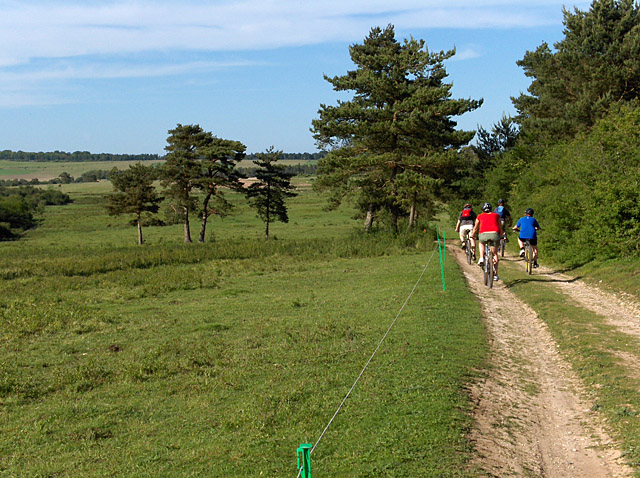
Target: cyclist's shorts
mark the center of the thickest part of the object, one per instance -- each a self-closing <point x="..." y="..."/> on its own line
<point x="493" y="238"/>
<point x="464" y="229"/>
<point x="533" y="242"/>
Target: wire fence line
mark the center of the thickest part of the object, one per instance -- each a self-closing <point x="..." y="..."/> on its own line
<point x="371" y="357"/>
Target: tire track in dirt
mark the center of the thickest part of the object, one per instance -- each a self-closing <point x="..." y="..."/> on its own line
<point x="619" y="310"/>
<point x="529" y="418"/>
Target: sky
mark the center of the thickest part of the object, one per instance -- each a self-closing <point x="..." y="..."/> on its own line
<point x="115" y="76"/>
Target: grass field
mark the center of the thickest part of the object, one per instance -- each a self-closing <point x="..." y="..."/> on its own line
<point x="220" y="359"/>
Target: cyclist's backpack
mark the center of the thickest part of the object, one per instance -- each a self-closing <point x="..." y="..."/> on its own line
<point x="466" y="213"/>
<point x="500" y="211"/>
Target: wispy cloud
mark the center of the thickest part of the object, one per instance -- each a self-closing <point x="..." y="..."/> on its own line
<point x="59" y="29"/>
<point x="51" y="40"/>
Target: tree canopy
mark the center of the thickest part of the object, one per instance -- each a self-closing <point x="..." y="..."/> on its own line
<point x="594" y="68"/>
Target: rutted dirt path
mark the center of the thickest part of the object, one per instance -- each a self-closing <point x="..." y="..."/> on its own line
<point x="530" y="419"/>
<point x="620" y="310"/>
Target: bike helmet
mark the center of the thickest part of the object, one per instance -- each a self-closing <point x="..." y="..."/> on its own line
<point x="500" y="202"/>
<point x="529" y="211"/>
<point x="467" y="206"/>
<point x="486" y="207"/>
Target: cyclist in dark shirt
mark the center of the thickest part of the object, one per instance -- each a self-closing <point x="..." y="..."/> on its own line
<point x="466" y="221"/>
<point x="505" y="216"/>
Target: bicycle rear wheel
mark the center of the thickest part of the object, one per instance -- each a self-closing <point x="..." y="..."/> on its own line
<point x="468" y="250"/>
<point x="485" y="271"/>
<point x="489" y="266"/>
<point x="503" y="243"/>
<point x="528" y="258"/>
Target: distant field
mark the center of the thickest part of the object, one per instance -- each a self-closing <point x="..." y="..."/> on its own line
<point x="49" y="170"/>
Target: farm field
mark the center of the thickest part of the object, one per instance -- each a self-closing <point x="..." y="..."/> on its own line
<point x="45" y="171"/>
<point x="220" y="359"/>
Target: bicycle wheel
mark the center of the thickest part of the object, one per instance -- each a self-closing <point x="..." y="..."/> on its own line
<point x="490" y="271"/>
<point x="467" y="249"/>
<point x="503" y="243"/>
<point x="528" y="258"/>
<point x="485" y="270"/>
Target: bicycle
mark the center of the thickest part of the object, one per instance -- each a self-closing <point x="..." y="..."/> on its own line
<point x="502" y="245"/>
<point x="467" y="247"/>
<point x="487" y="269"/>
<point x="528" y="256"/>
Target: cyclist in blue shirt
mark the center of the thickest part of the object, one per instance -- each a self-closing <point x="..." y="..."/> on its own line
<point x="528" y="226"/>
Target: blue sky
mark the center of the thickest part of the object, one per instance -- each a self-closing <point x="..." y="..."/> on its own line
<point x="114" y="76"/>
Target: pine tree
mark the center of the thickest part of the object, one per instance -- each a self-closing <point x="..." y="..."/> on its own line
<point x="398" y="122"/>
<point x="181" y="168"/>
<point x="218" y="159"/>
<point x="273" y="186"/>
<point x="133" y="193"/>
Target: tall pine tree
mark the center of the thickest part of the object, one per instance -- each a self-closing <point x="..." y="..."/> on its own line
<point x="399" y="122"/>
<point x="273" y="186"/>
<point x="181" y="168"/>
<point x="133" y="193"/>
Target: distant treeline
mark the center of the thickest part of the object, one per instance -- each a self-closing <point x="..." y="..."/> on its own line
<point x="76" y="156"/>
<point x="291" y="156"/>
<point x="294" y="169"/>
<point x="81" y="156"/>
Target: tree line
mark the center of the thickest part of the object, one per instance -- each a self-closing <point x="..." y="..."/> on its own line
<point x="294" y="156"/>
<point x="82" y="156"/>
<point x="76" y="156"/>
<point x="198" y="170"/>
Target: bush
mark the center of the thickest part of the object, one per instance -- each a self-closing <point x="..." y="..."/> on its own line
<point x="586" y="192"/>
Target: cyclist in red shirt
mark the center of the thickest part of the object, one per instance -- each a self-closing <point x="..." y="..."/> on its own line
<point x="489" y="229"/>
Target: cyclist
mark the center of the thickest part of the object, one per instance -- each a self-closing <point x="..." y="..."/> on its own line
<point x="465" y="224"/>
<point x="528" y="226"/>
<point x="489" y="231"/>
<point x="505" y="217"/>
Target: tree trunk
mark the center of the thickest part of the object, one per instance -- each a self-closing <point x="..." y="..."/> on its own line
<point x="394" y="207"/>
<point x="205" y="216"/>
<point x="139" y="230"/>
<point x="368" y="221"/>
<point x="187" y="228"/>
<point x="413" y="213"/>
<point x="268" y="215"/>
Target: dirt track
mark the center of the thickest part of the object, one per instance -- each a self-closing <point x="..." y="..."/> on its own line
<point x="529" y="415"/>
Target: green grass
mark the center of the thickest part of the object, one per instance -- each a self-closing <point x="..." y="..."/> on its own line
<point x="220" y="359"/>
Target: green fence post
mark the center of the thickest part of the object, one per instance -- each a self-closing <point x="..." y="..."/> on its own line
<point x="441" y="264"/>
<point x="444" y="244"/>
<point x="304" y="452"/>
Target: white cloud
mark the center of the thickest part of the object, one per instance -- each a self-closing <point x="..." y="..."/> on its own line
<point x="47" y="41"/>
<point x="61" y="29"/>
